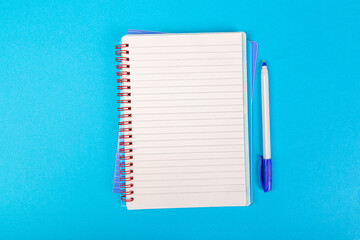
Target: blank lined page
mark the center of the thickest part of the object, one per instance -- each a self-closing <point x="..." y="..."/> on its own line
<point x="189" y="120"/>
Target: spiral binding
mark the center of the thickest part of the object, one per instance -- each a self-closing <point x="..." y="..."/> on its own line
<point x="124" y="123"/>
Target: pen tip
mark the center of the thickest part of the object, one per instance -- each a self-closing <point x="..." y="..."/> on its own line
<point x="264" y="63"/>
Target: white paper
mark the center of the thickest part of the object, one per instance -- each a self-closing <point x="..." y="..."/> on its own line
<point x="189" y="120"/>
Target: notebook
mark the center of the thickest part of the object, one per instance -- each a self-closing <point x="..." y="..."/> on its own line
<point x="183" y="130"/>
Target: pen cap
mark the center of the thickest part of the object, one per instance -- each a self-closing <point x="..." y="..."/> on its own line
<point x="266" y="173"/>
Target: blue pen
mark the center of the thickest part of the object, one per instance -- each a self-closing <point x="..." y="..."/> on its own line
<point x="266" y="165"/>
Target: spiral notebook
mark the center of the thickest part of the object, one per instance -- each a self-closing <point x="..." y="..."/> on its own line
<point x="183" y="130"/>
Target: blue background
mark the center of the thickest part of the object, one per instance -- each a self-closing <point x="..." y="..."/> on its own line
<point x="58" y="119"/>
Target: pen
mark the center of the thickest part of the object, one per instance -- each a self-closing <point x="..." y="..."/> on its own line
<point x="265" y="160"/>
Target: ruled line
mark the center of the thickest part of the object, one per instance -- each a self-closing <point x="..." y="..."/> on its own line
<point x="193" y="65"/>
<point x="197" y="185"/>
<point x="187" y="192"/>
<point x="162" y="120"/>
<point x="153" y="113"/>
<point x="182" y="59"/>
<point x="185" y="79"/>
<point x="177" y="179"/>
<point x="202" y="45"/>
<point x="178" y="99"/>
<point x="175" y="146"/>
<point x="226" y="105"/>
<point x="180" y="139"/>
<point x="190" y="132"/>
<point x="213" y="165"/>
<point x="208" y="125"/>
<point x="183" y="152"/>
<point x="175" y="120"/>
<point x="185" y="52"/>
<point x="186" y="159"/>
<point x="239" y="91"/>
<point x="152" y="173"/>
<point x="169" y="86"/>
<point x="184" y="72"/>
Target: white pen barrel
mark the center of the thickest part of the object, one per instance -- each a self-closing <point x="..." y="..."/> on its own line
<point x="265" y="112"/>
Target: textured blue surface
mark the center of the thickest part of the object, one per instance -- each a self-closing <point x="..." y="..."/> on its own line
<point x="58" y="123"/>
